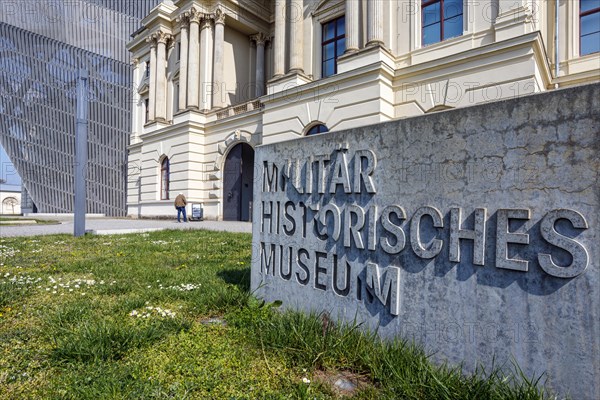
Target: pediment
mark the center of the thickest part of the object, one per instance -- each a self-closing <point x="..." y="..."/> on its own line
<point x="327" y="6"/>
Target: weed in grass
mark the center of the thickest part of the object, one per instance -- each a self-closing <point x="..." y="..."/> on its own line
<point x="107" y="339"/>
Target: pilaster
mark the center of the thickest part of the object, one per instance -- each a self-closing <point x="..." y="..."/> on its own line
<point x="162" y="38"/>
<point x="135" y="98"/>
<point x="296" y="18"/>
<point x="279" y="41"/>
<point x="219" y="61"/>
<point x="374" y="22"/>
<point x="194" y="59"/>
<point x="352" y="26"/>
<point x="206" y="62"/>
<point x="152" y="79"/>
<point x="184" y="22"/>
<point x="260" y="39"/>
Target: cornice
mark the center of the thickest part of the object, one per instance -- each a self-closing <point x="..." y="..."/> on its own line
<point x="161" y="14"/>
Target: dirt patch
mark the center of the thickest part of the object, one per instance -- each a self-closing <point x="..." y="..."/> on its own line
<point x="342" y="383"/>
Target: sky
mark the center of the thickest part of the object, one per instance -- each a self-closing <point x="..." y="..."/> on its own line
<point x="8" y="172"/>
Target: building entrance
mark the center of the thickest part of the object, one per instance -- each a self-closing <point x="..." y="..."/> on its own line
<point x="238" y="180"/>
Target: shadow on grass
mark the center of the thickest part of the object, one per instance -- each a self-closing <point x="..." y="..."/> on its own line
<point x="237" y="277"/>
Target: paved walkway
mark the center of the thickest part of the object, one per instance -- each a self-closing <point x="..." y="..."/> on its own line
<point x="119" y="225"/>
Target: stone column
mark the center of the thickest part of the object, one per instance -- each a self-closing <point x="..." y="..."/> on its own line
<point x="206" y="62"/>
<point x="152" y="83"/>
<point x="374" y="22"/>
<point x="352" y="25"/>
<point x="135" y="97"/>
<point x="194" y="59"/>
<point x="260" y="39"/>
<point x="279" y="44"/>
<point x="161" y="75"/>
<point x="183" y="62"/>
<point x="219" y="62"/>
<point x="296" y="17"/>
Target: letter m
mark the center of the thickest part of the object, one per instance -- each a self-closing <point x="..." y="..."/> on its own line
<point x="267" y="262"/>
<point x="389" y="291"/>
<point x="269" y="177"/>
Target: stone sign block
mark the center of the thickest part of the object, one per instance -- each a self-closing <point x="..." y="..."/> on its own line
<point x="475" y="232"/>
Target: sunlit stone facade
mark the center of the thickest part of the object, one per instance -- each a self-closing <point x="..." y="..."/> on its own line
<point x="216" y="78"/>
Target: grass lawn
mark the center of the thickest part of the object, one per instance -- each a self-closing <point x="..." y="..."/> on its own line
<point x="168" y="315"/>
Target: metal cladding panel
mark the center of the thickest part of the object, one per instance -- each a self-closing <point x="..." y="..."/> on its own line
<point x="100" y="26"/>
<point x="38" y="78"/>
<point x="42" y="46"/>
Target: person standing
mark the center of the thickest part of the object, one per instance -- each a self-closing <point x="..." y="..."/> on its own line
<point x="180" y="203"/>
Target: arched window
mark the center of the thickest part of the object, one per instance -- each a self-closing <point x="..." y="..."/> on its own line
<point x="164" y="179"/>
<point x="320" y="128"/>
<point x="9" y="204"/>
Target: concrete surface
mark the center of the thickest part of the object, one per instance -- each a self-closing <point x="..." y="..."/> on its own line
<point x="119" y="225"/>
<point x="473" y="231"/>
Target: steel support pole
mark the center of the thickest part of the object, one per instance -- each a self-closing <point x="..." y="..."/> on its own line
<point x="81" y="153"/>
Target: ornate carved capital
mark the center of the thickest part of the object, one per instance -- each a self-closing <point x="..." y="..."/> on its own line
<point x="162" y="37"/>
<point x="151" y="39"/>
<point x="260" y="38"/>
<point x="183" y="20"/>
<point x="195" y="15"/>
<point x="206" y="21"/>
<point x="134" y="62"/>
<point x="219" y="16"/>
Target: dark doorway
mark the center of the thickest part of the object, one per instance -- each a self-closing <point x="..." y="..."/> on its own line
<point x="238" y="180"/>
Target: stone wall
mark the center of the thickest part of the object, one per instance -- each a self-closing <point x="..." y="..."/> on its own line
<point x="473" y="231"/>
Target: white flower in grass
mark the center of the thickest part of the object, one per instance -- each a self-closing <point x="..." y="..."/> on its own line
<point x="306" y="380"/>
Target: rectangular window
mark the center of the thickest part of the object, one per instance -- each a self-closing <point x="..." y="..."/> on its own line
<point x="178" y="51"/>
<point x="589" y="26"/>
<point x="333" y="45"/>
<point x="147" y="69"/>
<point x="147" y="110"/>
<point x="441" y="20"/>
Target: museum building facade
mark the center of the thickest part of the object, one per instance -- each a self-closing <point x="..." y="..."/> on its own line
<point x="214" y="79"/>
